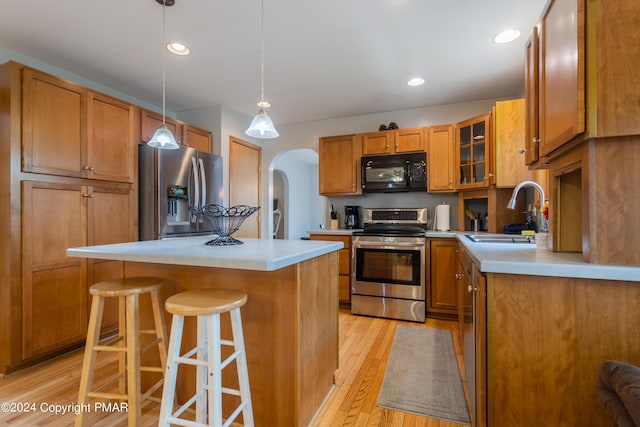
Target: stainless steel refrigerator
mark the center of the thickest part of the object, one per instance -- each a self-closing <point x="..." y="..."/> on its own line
<point x="170" y="181"/>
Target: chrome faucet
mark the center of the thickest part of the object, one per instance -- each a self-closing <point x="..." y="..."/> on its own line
<point x="512" y="203"/>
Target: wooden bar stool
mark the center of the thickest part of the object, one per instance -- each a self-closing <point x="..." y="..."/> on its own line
<point x="206" y="305"/>
<point x="127" y="344"/>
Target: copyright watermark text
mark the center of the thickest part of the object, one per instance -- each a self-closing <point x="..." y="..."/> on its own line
<point x="63" y="408"/>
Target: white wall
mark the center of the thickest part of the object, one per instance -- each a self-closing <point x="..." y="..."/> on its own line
<point x="303" y="208"/>
<point x="11" y="55"/>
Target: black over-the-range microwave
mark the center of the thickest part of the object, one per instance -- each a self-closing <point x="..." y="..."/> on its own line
<point x="394" y="172"/>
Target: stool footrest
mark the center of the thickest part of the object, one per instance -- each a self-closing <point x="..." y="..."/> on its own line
<point x="147" y="394"/>
<point x="229" y="359"/>
<point x="150" y="345"/>
<point x="235" y="413"/>
<point x="232" y="391"/>
<point x="151" y="369"/>
<point x="190" y="361"/>
<point x="112" y="348"/>
<point x="112" y="381"/>
<point x="99" y="395"/>
<point x="181" y="409"/>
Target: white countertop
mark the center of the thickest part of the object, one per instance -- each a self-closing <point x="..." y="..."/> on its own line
<point x="522" y="258"/>
<point x="253" y="254"/>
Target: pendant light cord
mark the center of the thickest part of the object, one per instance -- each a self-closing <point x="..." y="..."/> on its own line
<point x="164" y="24"/>
<point x="262" y="53"/>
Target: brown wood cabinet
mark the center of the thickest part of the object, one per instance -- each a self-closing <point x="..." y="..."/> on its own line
<point x="339" y="165"/>
<point x="72" y="131"/>
<point x="67" y="179"/>
<point x="197" y="138"/>
<point x="442" y="290"/>
<point x="473" y="152"/>
<point x="54" y="295"/>
<point x="509" y="167"/>
<point x="382" y="142"/>
<point x="472" y="319"/>
<point x="185" y="134"/>
<point x="562" y="82"/>
<point x="546" y="338"/>
<point x="441" y="159"/>
<point x="57" y="216"/>
<point x="344" y="269"/>
<point x="393" y="141"/>
<point x="532" y="97"/>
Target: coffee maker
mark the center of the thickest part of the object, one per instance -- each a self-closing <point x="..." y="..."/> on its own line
<point x="351" y="217"/>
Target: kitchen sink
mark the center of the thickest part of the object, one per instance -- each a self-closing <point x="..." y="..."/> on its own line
<point x="499" y="238"/>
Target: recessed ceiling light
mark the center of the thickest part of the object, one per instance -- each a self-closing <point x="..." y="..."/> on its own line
<point x="506" y="36"/>
<point x="416" y="81"/>
<point x="178" y="48"/>
<point x="263" y="104"/>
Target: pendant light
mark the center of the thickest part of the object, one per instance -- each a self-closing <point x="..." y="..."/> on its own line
<point x="261" y="125"/>
<point x="163" y="138"/>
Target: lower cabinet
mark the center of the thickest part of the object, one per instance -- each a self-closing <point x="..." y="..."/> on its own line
<point x="442" y="290"/>
<point x="344" y="259"/>
<point x="56" y="216"/>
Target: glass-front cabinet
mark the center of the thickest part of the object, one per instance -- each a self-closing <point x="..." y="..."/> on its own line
<point x="473" y="152"/>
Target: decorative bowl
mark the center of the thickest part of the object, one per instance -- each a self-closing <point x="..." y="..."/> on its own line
<point x="224" y="221"/>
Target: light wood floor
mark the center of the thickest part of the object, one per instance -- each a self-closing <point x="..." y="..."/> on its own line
<point x="365" y="343"/>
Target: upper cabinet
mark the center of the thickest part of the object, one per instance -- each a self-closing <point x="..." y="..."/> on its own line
<point x="53" y="125"/>
<point x="473" y="152"/>
<point x="562" y="79"/>
<point x="197" y="138"/>
<point x="441" y="158"/>
<point x="111" y="138"/>
<point x="393" y="141"/>
<point x="532" y="99"/>
<point x="71" y="131"/>
<point x="586" y="88"/>
<point x="339" y="165"/>
<point x="185" y="134"/>
<point x="408" y="140"/>
<point x="508" y="166"/>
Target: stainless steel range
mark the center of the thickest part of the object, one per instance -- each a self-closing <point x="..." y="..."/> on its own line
<point x="388" y="264"/>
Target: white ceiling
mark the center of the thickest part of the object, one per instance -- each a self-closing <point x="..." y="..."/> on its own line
<point x="323" y="59"/>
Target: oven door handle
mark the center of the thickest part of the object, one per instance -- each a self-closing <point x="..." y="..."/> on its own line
<point x="387" y="245"/>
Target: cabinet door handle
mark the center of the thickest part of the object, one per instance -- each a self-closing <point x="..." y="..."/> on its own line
<point x="471" y="289"/>
<point x="88" y="168"/>
<point x="535" y="141"/>
<point x="522" y="151"/>
<point x="89" y="195"/>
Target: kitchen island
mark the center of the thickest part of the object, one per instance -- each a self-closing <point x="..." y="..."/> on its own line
<point x="290" y="320"/>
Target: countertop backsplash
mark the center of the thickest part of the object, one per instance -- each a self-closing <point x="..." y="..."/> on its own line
<point x="411" y="199"/>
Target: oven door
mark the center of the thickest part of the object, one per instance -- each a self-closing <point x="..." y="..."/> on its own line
<point x="391" y="267"/>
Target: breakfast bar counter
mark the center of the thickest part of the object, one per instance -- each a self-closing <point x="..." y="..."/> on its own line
<point x="290" y="320"/>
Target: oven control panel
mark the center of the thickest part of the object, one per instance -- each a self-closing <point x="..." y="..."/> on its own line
<point x="396" y="216"/>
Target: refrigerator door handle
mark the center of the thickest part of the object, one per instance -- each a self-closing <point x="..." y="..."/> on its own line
<point x="203" y="179"/>
<point x="196" y="187"/>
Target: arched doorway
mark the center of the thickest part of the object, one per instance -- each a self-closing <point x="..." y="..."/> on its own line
<point x="296" y="172"/>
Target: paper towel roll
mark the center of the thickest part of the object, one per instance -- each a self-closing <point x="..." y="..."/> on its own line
<point x="441" y="220"/>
